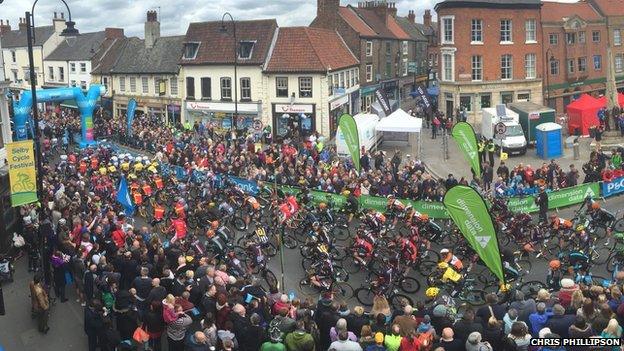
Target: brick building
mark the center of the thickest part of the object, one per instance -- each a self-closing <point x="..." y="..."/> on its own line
<point x="613" y="11"/>
<point x="430" y="31"/>
<point x="574" y="52"/>
<point x="373" y="34"/>
<point x="489" y="54"/>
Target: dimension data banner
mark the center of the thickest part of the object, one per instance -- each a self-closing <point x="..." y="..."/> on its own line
<point x="349" y="130"/>
<point x="22" y="173"/>
<point x="556" y="199"/>
<point x="470" y="213"/>
<point x="466" y="139"/>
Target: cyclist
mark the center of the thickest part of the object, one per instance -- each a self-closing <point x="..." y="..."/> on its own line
<point x="394" y="209"/>
<point x="448" y="275"/>
<point x="251" y="208"/>
<point x="508" y="260"/>
<point x="178" y="227"/>
<point x="554" y="276"/>
<point x="561" y="226"/>
<point x="362" y="249"/>
<point x="159" y="213"/>
<point x="447" y="256"/>
<point x="320" y="271"/>
<point x="409" y="250"/>
<point x="254" y="249"/>
<point x="601" y="218"/>
<point x="351" y="206"/>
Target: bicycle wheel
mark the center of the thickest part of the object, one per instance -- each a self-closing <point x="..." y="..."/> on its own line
<point x="306" y="252"/>
<point x="342" y="290"/>
<point x="530" y="289"/>
<point x="600" y="255"/>
<point x="306" y="263"/>
<point x="307" y="288"/>
<point x="474" y="297"/>
<point x="239" y="223"/>
<point x="270" y="278"/>
<point x="341" y="274"/>
<point x="341" y="233"/>
<point x="612" y="263"/>
<point x="409" y="285"/>
<point x="351" y="265"/>
<point x="364" y="296"/>
<point x="398" y="301"/>
<point x="290" y="242"/>
<point x="338" y="253"/>
<point x="426" y="267"/>
<point x="270" y="249"/>
<point x="524" y="266"/>
<point x="240" y="253"/>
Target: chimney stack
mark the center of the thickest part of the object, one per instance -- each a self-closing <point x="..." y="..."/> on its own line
<point x="113" y="33"/>
<point x="152" y="29"/>
<point x="411" y="16"/>
<point x="58" y="22"/>
<point x="4" y="28"/>
<point x="427" y="18"/>
<point x="327" y="13"/>
<point x="22" y="25"/>
<point x="62" y="15"/>
<point x="392" y="10"/>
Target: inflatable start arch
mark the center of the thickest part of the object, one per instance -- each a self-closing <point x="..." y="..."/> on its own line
<point x="85" y="103"/>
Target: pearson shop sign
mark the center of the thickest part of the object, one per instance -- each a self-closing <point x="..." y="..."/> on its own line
<point x="613" y="188"/>
<point x="556" y="199"/>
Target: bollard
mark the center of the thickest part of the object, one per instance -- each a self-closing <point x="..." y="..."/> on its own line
<point x="575" y="147"/>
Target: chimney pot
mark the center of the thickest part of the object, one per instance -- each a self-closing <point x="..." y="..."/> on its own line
<point x="54" y="14"/>
<point x="62" y="15"/>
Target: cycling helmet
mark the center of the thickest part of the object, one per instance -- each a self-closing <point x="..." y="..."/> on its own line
<point x="322" y="206"/>
<point x="504" y="287"/>
<point x="214" y="224"/>
<point x="432" y="292"/>
<point x="390" y="196"/>
<point x="595" y="205"/>
<point x="316" y="224"/>
<point x="554" y="264"/>
<point x="443" y="265"/>
<point x="444" y="251"/>
<point x="346" y="193"/>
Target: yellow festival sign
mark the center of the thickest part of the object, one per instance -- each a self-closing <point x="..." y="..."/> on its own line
<point x="22" y="173"/>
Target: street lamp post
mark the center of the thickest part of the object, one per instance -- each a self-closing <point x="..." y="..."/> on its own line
<point x="68" y="32"/>
<point x="551" y="59"/>
<point x="223" y="29"/>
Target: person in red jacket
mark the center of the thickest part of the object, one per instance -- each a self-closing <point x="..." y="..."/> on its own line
<point x="119" y="237"/>
<point x="178" y="226"/>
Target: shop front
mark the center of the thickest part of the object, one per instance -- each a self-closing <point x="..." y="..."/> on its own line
<point x="220" y="114"/>
<point x="367" y="96"/>
<point x="173" y="114"/>
<point x="296" y="117"/>
<point x="391" y="88"/>
<point x="337" y="108"/>
<point x="355" y="102"/>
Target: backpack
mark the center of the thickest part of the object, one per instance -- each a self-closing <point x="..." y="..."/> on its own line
<point x="274" y="331"/>
<point x="426" y="341"/>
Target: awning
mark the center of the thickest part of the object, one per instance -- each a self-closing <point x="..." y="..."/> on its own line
<point x="69" y="103"/>
<point x="399" y="121"/>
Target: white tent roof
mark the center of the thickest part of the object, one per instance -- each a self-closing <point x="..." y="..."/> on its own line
<point x="399" y="121"/>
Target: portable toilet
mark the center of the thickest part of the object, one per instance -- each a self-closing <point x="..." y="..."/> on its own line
<point x="548" y="140"/>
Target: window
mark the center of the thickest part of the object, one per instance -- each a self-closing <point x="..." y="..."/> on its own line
<point x="281" y="85"/>
<point x="506" y="67"/>
<point x="507" y="97"/>
<point x="476" y="32"/>
<point x="466" y="101"/>
<point x="582" y="64"/>
<point x="122" y="83"/>
<point x="83" y="67"/>
<point x="447" y="30"/>
<point x="51" y="73"/>
<point x="348" y="78"/>
<point x="190" y="50"/>
<point x="619" y="63"/>
<point x="505" y="31"/>
<point x="72" y="67"/>
<point x="14" y="75"/>
<point x="405" y="47"/>
<point x="570" y="38"/>
<point x="226" y="88"/>
<point x="597" y="62"/>
<point x="305" y="87"/>
<point x="369" y="48"/>
<point x="157" y="81"/>
<point x="530" y="30"/>
<point x="245" y="84"/>
<point x="524" y="96"/>
<point x="369" y="73"/>
<point x="145" y="85"/>
<point x="83" y="85"/>
<point x="477" y="68"/>
<point x="353" y="78"/>
<point x="486" y="100"/>
<point x="388" y="68"/>
<point x="173" y="83"/>
<point x="581" y="37"/>
<point x="245" y="49"/>
<point x="596" y="36"/>
<point x="206" y="88"/>
<point x="570" y="65"/>
<point x="405" y="66"/>
<point x="61" y="74"/>
<point x="132" y="84"/>
<point x="447" y="62"/>
<point x="105" y="82"/>
<point x="553" y="38"/>
<point x="529" y="65"/>
<point x="13" y="56"/>
<point x="190" y="88"/>
<point x="617" y="37"/>
<point x="73" y="84"/>
<point x="554" y="67"/>
<point x="341" y="80"/>
<point x="330" y="84"/>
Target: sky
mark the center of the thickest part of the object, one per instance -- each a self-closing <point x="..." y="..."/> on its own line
<point x="175" y="15"/>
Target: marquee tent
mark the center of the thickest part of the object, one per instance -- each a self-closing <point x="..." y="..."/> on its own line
<point x="400" y="121"/>
<point x="603" y="100"/>
<point x="583" y="113"/>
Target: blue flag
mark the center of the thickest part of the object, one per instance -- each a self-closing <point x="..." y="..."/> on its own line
<point x="123" y="197"/>
<point x="130" y="110"/>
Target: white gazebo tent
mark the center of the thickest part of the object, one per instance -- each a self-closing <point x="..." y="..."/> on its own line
<point x="400" y="121"/>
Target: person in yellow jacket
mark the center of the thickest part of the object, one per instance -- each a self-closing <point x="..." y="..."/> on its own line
<point x="481" y="149"/>
<point x="451" y="276"/>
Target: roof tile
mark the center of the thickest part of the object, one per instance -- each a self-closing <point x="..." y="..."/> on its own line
<point x="17" y="38"/>
<point x="558" y="11"/>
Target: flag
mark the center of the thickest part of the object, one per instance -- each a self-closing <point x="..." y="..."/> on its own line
<point x="349" y="130"/>
<point x="466" y="139"/>
<point x="130" y="110"/>
<point x="469" y="212"/>
<point x="123" y="197"/>
<point x="383" y="101"/>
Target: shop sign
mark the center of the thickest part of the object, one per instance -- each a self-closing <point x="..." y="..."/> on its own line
<point x="369" y="89"/>
<point x="338" y="102"/>
<point x="411" y="67"/>
<point x="221" y="106"/>
<point x="284" y="108"/>
<point x="339" y="91"/>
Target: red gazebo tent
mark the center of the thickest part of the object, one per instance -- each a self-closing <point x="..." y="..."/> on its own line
<point x="583" y="113"/>
<point x="603" y="100"/>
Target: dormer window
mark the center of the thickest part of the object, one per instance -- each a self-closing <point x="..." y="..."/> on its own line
<point x="245" y="49"/>
<point x="190" y="50"/>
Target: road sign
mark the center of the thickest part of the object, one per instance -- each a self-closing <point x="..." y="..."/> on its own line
<point x="411" y="67"/>
<point x="500" y="128"/>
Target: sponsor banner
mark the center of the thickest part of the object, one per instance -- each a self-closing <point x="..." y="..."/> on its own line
<point x="464" y="135"/>
<point x="470" y="213"/>
<point x="616" y="186"/>
<point x="130" y="111"/>
<point x="556" y="199"/>
<point x="22" y="173"/>
<point x="383" y="101"/>
<point x="349" y="130"/>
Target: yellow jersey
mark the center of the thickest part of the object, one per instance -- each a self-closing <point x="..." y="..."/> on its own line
<point x="452" y="275"/>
